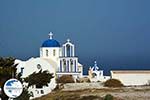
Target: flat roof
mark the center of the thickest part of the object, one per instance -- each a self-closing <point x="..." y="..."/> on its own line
<point x="130" y="71"/>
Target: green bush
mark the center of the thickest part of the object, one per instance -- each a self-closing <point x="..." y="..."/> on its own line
<point x="113" y="83"/>
<point x="66" y="79"/>
<point x="108" y="97"/>
<point x="91" y="97"/>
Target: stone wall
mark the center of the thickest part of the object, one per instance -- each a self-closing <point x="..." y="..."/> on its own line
<point x="80" y="86"/>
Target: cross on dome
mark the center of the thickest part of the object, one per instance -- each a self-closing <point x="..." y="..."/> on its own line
<point x="50" y="35"/>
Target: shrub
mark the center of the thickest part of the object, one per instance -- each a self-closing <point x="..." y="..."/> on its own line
<point x="113" y="83"/>
<point x="66" y="79"/>
<point x="108" y="97"/>
<point x="91" y="97"/>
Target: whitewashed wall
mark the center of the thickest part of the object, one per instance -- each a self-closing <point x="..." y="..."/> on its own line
<point x="30" y="66"/>
<point x="132" y="77"/>
<point x="50" y="52"/>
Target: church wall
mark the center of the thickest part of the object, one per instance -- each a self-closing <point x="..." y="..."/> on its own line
<point x="132" y="77"/>
<point x="31" y="66"/>
<point x="35" y="65"/>
<point x="52" y="53"/>
<point x="80" y="68"/>
<point x="38" y="92"/>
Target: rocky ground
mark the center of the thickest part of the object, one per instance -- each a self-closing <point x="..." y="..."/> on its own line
<point x="93" y="93"/>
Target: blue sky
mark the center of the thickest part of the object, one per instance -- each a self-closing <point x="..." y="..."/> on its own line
<point x="113" y="32"/>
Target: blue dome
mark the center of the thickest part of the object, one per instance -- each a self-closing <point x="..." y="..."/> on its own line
<point x="50" y="43"/>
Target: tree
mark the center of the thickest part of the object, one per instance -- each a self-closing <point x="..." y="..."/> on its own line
<point x="113" y="83"/>
<point x="25" y="94"/>
<point x="42" y="78"/>
<point x="7" y="71"/>
<point x="7" y="68"/>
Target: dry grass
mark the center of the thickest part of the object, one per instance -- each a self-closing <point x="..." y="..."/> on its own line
<point x="63" y="95"/>
<point x="86" y="94"/>
<point x="124" y="93"/>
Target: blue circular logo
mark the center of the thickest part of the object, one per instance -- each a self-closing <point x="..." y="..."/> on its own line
<point x="13" y="88"/>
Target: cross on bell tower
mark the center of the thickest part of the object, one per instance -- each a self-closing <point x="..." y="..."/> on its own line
<point x="50" y="35"/>
<point x="95" y="67"/>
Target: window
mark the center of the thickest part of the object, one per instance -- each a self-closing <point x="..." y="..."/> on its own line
<point x="42" y="92"/>
<point x="32" y="86"/>
<point x="38" y="66"/>
<point x="68" y="50"/>
<point x="22" y="70"/>
<point x="37" y="91"/>
<point x="94" y="75"/>
<point x="31" y="93"/>
<point x="54" y="52"/>
<point x="47" y="53"/>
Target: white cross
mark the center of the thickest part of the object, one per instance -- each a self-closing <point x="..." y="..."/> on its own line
<point x="95" y="62"/>
<point x="50" y="35"/>
<point x="95" y="65"/>
<point x="68" y="40"/>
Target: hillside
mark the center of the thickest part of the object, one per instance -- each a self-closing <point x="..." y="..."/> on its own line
<point x="125" y="93"/>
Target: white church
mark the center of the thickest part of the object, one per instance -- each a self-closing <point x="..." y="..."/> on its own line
<point x="61" y="60"/>
<point x="57" y="59"/>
